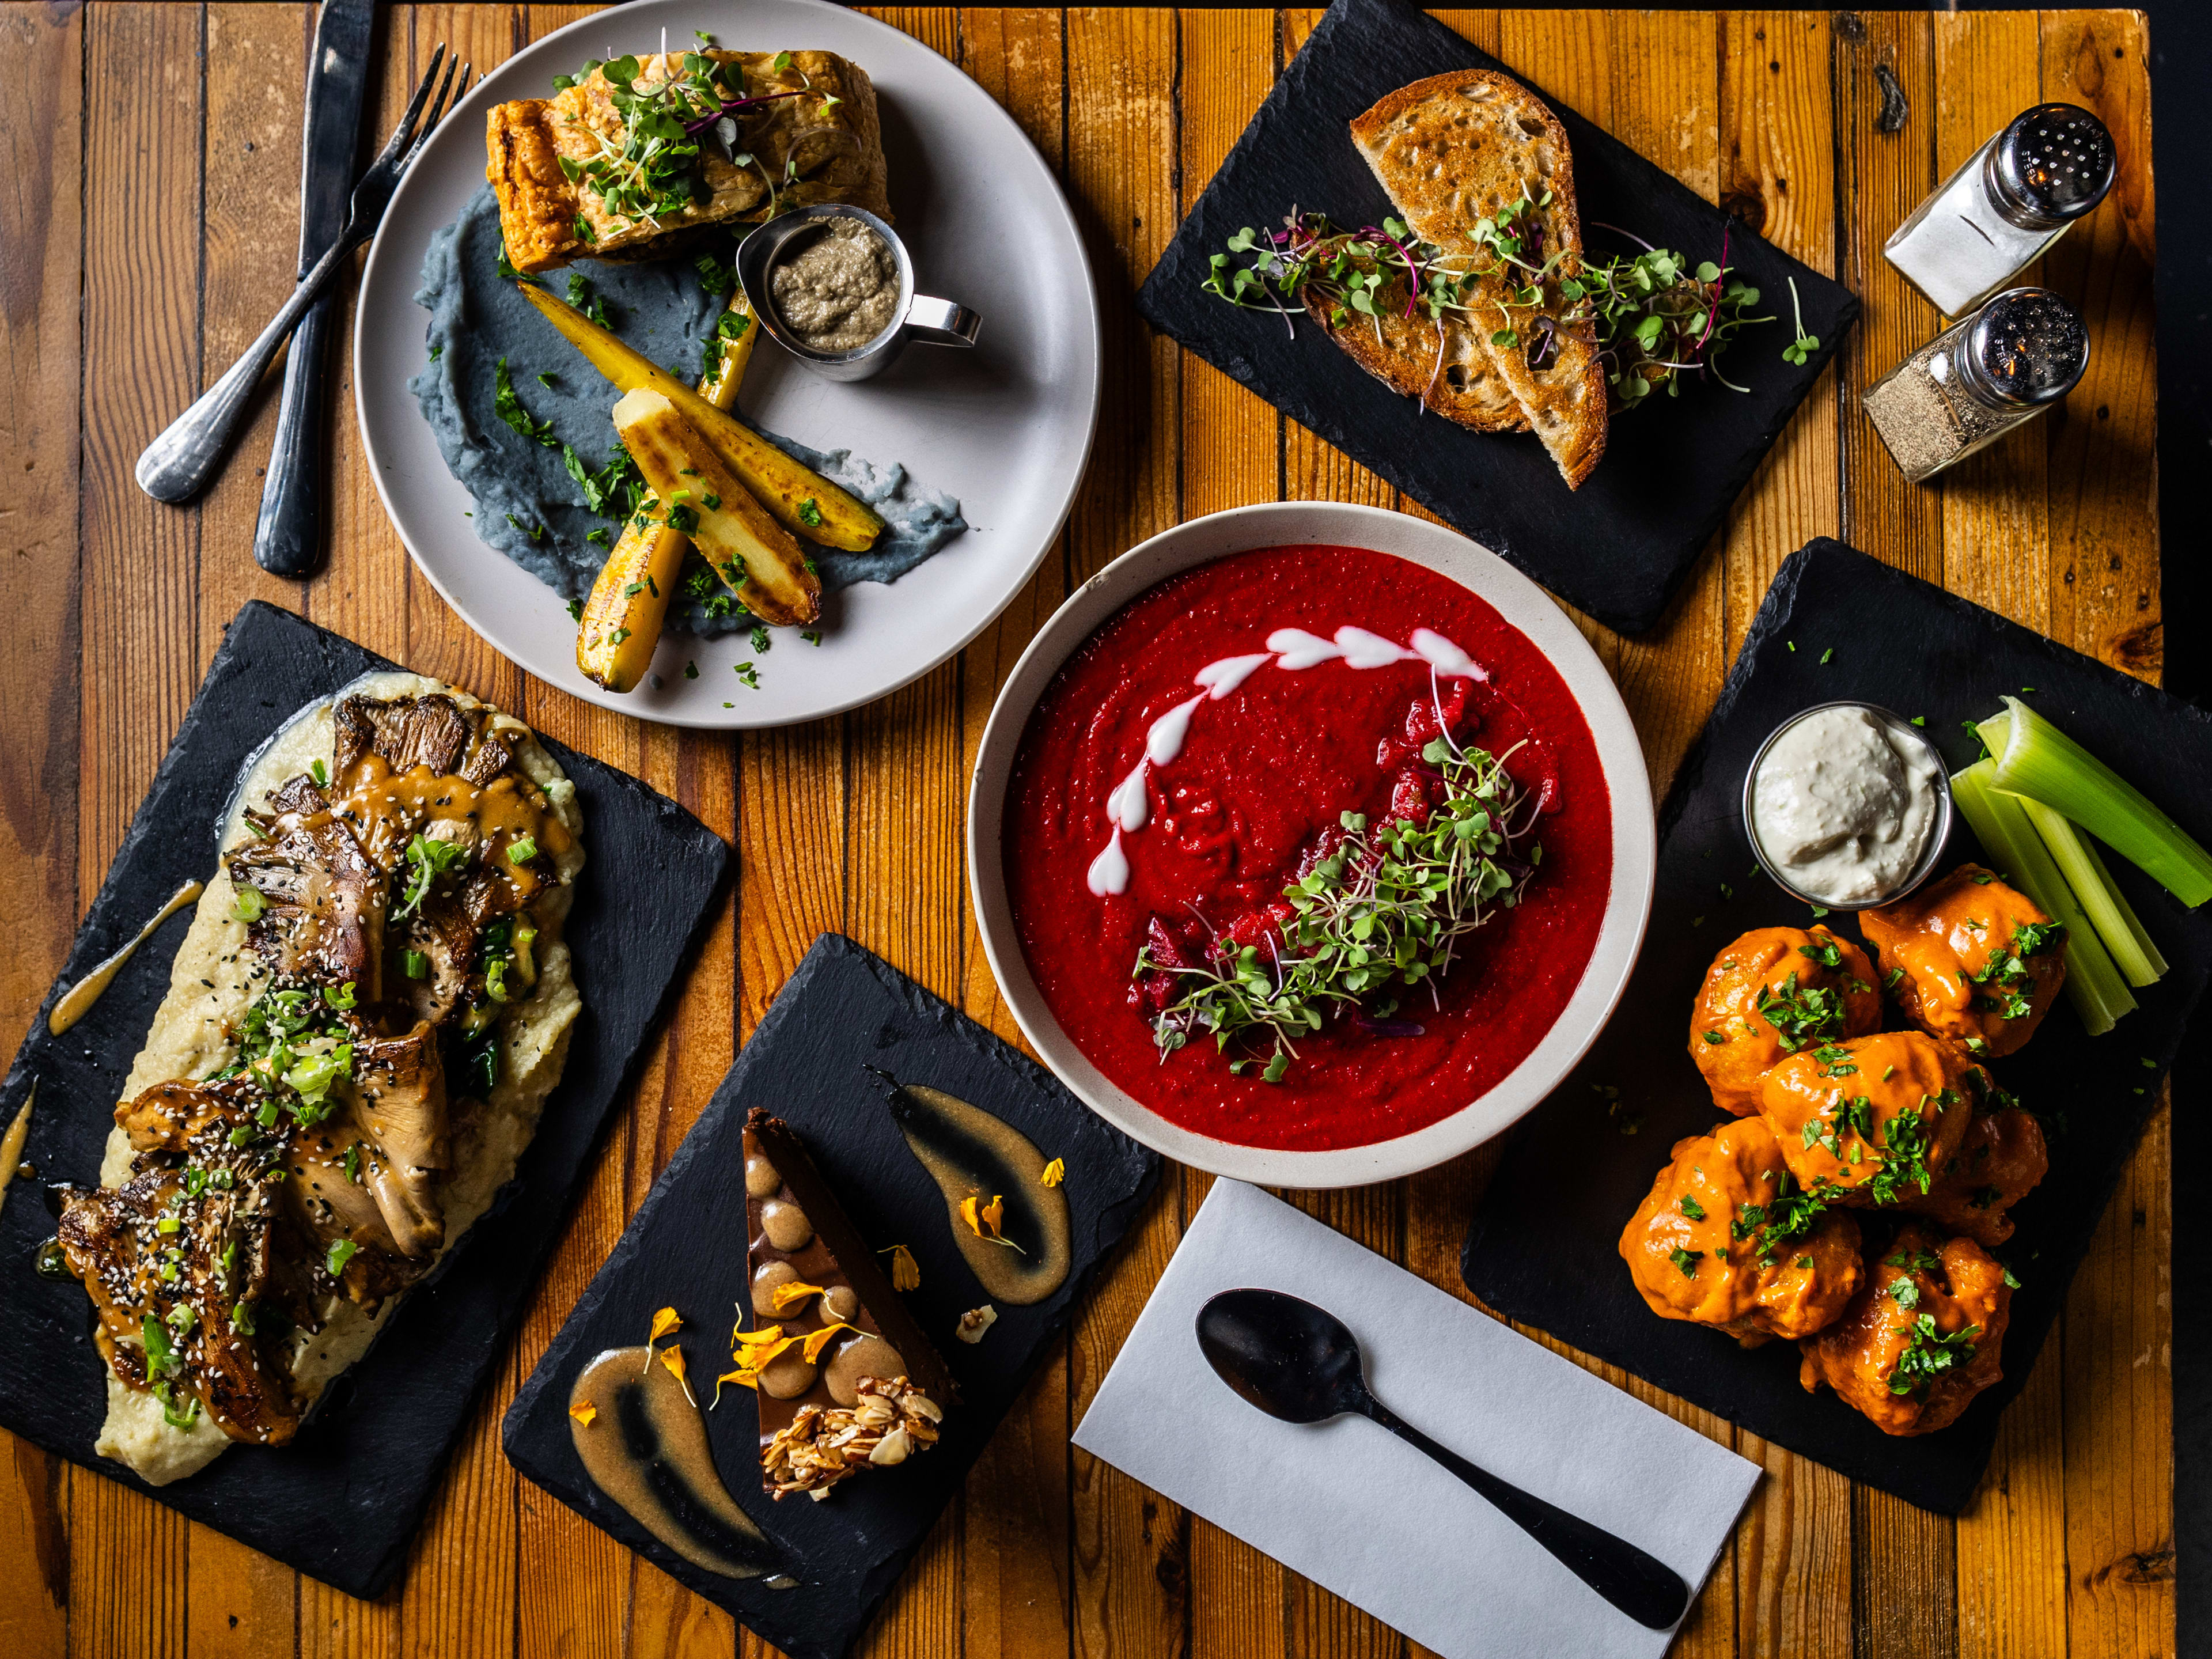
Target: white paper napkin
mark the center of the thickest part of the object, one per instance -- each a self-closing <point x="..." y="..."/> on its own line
<point x="1356" y="1510"/>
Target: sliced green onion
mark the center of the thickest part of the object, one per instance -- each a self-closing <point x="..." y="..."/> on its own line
<point x="2132" y="953"/>
<point x="249" y="904"/>
<point x="2093" y="985"/>
<point x="2039" y="761"/>
<point x="521" y="850"/>
<point x="341" y="1252"/>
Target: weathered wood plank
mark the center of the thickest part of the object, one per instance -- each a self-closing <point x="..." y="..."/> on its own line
<point x="1995" y="528"/>
<point x="1015" y="1589"/>
<point x="2103" y="439"/>
<point x="237" y="1600"/>
<point x="142" y="112"/>
<point x="1777" y="172"/>
<point x="1881" y="178"/>
<point x="1232" y="454"/>
<point x="1130" y="1547"/>
<point x="459" y="1595"/>
<point x="41" y="226"/>
<point x="2118" y="1385"/>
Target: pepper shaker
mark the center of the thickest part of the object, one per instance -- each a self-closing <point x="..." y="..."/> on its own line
<point x="2001" y="212"/>
<point x="1978" y="380"/>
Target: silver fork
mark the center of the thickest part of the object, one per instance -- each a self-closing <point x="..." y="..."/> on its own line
<point x="178" y="464"/>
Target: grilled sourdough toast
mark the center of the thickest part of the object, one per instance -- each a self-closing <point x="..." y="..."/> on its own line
<point x="1459" y="147"/>
<point x="1403" y="353"/>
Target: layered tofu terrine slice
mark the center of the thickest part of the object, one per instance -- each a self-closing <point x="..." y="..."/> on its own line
<point x="634" y="158"/>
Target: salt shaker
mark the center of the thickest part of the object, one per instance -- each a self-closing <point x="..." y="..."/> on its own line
<point x="1998" y="214"/>
<point x="1978" y="380"/>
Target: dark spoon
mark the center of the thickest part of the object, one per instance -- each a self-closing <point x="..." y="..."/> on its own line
<point x="1301" y="1363"/>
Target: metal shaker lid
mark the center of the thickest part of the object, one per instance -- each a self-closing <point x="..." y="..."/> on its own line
<point x="2050" y="165"/>
<point x="2026" y="346"/>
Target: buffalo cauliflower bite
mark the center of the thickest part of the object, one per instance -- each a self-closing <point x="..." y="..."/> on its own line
<point x="1969" y="959"/>
<point x="1770" y="994"/>
<point x="1921" y="1337"/>
<point x="1727" y="1238"/>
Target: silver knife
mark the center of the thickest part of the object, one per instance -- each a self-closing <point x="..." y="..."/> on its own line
<point x="288" y="539"/>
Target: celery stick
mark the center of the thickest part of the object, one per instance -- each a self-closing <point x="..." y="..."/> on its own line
<point x="2039" y="761"/>
<point x="2127" y="911"/>
<point x="2094" y="892"/>
<point x="2093" y="985"/>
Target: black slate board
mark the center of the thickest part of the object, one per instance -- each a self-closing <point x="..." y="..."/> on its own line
<point x="342" y="1501"/>
<point x="1618" y="546"/>
<point x="843" y="1009"/>
<point x="1543" y="1244"/>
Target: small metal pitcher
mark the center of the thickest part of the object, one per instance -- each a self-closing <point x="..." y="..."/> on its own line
<point x="920" y="318"/>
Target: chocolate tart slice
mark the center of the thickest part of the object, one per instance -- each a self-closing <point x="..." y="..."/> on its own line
<point x="850" y="1380"/>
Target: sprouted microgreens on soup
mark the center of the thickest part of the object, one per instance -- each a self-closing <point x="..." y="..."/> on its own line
<point x="1382" y="913"/>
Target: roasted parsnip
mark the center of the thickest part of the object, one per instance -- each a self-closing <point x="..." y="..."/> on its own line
<point x="622" y="621"/>
<point x="802" y="500"/>
<point x="704" y="498"/>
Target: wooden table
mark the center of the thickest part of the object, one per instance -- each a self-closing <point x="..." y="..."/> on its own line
<point x="149" y="178"/>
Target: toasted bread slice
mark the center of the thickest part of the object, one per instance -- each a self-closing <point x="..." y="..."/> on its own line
<point x="1457" y="147"/>
<point x="1401" y="351"/>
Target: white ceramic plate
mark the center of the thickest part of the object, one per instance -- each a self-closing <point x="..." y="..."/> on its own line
<point x="1007" y="428"/>
<point x="1521" y="602"/>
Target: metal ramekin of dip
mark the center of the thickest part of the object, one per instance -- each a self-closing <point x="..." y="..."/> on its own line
<point x="1847" y="805"/>
<point x="837" y="266"/>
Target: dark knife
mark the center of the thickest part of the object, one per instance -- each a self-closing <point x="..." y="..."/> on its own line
<point x="288" y="540"/>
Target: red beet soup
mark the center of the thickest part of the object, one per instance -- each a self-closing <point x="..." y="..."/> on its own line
<point x="1147" y="798"/>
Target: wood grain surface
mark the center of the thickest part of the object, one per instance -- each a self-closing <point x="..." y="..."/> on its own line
<point x="148" y="218"/>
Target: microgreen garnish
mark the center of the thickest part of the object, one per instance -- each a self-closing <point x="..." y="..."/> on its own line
<point x="1386" y="908"/>
<point x="651" y="169"/>
<point x="1653" y="315"/>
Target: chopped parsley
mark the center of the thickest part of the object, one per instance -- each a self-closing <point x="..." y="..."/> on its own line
<point x="1929" y="1353"/>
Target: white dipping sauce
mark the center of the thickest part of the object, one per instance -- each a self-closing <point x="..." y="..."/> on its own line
<point x="1842" y="805"/>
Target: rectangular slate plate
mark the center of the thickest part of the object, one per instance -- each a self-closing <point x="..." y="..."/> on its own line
<point x="844" y="1009"/>
<point x="1544" y="1245"/>
<point x="341" y="1502"/>
<point x="1617" y="547"/>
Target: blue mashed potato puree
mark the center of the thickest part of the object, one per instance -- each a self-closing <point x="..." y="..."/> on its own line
<point x="527" y="506"/>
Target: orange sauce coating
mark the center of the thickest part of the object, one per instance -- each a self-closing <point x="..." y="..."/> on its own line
<point x="1697" y="1250"/>
<point x="1963" y="975"/>
<point x="1957" y="1287"/>
<point x="1770" y="993"/>
<point x="1864" y="1115"/>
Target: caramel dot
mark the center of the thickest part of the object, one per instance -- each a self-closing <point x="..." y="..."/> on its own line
<point x="787" y="1375"/>
<point x="786" y="1225"/>
<point x="863" y="1357"/>
<point x="764" y="1283"/>
<point x="839" y="1302"/>
<point x="761" y="1179"/>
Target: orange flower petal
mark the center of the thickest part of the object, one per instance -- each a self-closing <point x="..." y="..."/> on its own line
<point x="906" y="1272"/>
<point x="811" y="1350"/>
<point x="584" y="1411"/>
<point x="789" y="1295"/>
<point x="1054" y="1173"/>
<point x="971" y="1213"/>
<point x="673" y="1359"/>
<point x="665" y="1321"/>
